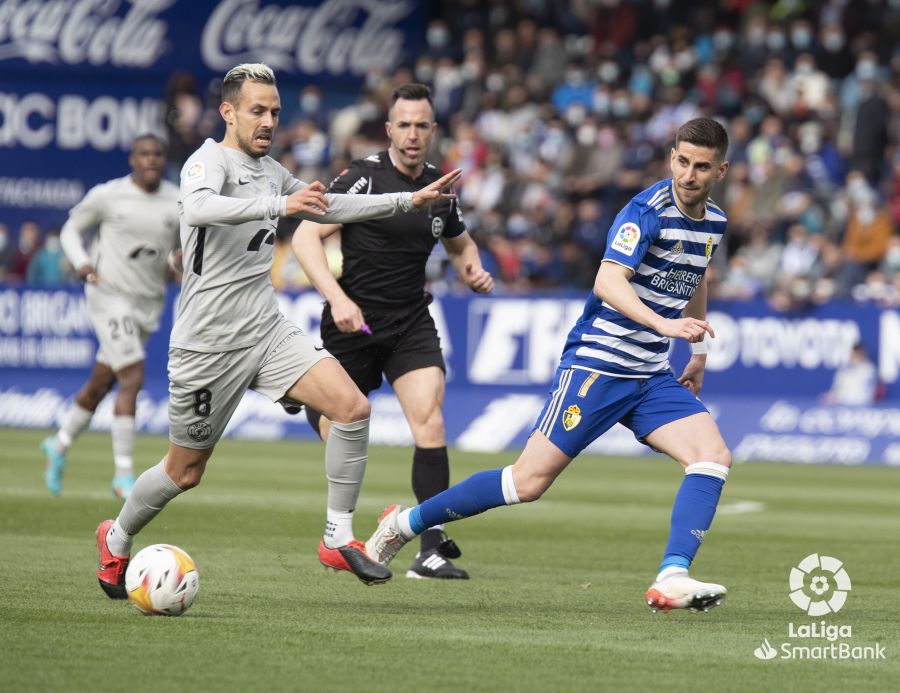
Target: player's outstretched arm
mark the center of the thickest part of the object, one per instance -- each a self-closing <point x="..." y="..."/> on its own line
<point x="343" y="209"/>
<point x="463" y="255"/>
<point x="613" y="286"/>
<point x="205" y="207"/>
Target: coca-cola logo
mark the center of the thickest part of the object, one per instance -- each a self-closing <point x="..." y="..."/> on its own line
<point x="337" y="36"/>
<point x="96" y="32"/>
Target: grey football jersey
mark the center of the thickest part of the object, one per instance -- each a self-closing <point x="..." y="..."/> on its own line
<point x="229" y="207"/>
<point x="136" y="232"/>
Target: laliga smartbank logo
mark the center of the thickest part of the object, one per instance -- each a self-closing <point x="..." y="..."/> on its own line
<point x="819" y="586"/>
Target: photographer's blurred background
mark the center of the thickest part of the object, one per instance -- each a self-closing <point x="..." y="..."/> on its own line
<point x="557" y="111"/>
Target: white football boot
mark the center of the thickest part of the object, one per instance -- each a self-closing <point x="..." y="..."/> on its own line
<point x="387" y="540"/>
<point x="680" y="591"/>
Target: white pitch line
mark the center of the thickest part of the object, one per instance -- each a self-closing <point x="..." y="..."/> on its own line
<point x="741" y="507"/>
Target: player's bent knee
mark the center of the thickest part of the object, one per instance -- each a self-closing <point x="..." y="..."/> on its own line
<point x="430" y="433"/>
<point x="725" y="458"/>
<point x="720" y="455"/>
<point x="187" y="477"/>
<point x="354" y="409"/>
<point x="531" y="489"/>
<point x="90" y="397"/>
<point x="99" y="386"/>
<point x="361" y="409"/>
<point x="185" y="466"/>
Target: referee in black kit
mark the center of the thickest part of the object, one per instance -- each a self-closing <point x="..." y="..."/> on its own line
<point x="376" y="318"/>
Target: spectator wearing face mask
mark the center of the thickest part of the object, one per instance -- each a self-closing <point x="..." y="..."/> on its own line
<point x="576" y="89"/>
<point x="311" y="106"/>
<point x="834" y="55"/>
<point x="865" y="71"/>
<point x="869" y="229"/>
<point x="591" y="161"/>
<point x="810" y="87"/>
<point x="49" y="266"/>
<point x="437" y="36"/>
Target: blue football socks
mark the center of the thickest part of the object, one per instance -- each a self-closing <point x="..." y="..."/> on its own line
<point x="693" y="512"/>
<point x="480" y="492"/>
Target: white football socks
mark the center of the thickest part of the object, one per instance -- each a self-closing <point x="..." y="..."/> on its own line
<point x="123" y="444"/>
<point x="338" y="528"/>
<point x="75" y="420"/>
<point x="403" y="524"/>
<point x="671" y="570"/>
<point x="118" y="541"/>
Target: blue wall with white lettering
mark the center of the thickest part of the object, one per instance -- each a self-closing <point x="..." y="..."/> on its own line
<point x="765" y="372"/>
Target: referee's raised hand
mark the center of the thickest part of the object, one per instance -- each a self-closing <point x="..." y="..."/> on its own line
<point x="434" y="192"/>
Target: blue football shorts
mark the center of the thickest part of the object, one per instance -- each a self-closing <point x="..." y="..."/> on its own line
<point x="585" y="404"/>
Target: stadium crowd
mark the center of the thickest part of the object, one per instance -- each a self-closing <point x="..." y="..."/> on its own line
<point x="558" y="113"/>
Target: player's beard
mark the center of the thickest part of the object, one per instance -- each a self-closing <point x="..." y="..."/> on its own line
<point x="692" y="197"/>
<point x="248" y="147"/>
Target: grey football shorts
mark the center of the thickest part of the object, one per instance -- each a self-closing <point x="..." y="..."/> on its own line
<point x="119" y="327"/>
<point x="206" y="388"/>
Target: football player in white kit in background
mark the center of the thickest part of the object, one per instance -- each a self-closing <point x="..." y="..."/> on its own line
<point x="125" y="284"/>
<point x="230" y="335"/>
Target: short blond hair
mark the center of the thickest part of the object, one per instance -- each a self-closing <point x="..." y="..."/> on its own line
<point x="245" y="72"/>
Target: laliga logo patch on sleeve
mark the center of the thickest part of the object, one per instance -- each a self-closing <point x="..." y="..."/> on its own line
<point x="195" y="173"/>
<point x="627" y="238"/>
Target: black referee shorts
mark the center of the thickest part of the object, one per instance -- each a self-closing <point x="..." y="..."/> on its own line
<point x="401" y="341"/>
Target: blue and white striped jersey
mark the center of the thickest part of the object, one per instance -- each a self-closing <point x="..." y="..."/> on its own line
<point x="669" y="253"/>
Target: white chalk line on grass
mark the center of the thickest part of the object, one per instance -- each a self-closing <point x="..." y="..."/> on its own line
<point x="740" y="507"/>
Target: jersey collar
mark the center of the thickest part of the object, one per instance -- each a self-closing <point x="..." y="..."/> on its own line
<point x="388" y="159"/>
<point x="245" y="159"/>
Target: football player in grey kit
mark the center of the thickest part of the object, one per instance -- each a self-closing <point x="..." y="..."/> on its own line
<point x="125" y="284"/>
<point x="230" y="335"/>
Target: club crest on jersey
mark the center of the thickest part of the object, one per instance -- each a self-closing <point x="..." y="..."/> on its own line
<point x="200" y="431"/>
<point x="709" y="244"/>
<point x="571" y="417"/>
<point x="437" y="227"/>
<point x="679" y="248"/>
<point x="627" y="238"/>
<point x="196" y="172"/>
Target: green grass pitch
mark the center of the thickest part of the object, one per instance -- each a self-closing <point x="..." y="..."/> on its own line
<point x="554" y="604"/>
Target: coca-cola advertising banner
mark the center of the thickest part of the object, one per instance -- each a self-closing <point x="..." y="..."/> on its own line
<point x="334" y="39"/>
<point x="84" y="77"/>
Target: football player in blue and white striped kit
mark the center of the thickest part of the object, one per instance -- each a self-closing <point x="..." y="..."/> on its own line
<point x="650" y="288"/>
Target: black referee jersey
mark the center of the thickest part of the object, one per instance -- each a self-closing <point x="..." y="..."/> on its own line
<point x="384" y="259"/>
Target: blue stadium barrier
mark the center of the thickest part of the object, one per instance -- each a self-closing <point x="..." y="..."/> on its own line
<point x="765" y="373"/>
